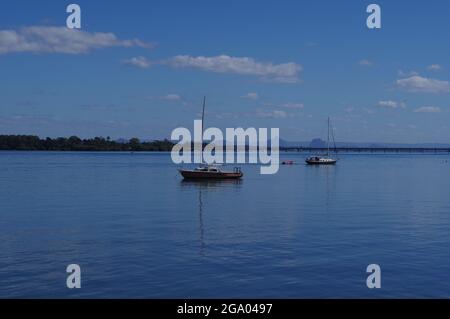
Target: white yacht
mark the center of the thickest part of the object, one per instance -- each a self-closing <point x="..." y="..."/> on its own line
<point x="323" y="159"/>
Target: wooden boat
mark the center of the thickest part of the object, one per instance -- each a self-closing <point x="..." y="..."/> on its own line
<point x="323" y="159"/>
<point x="208" y="171"/>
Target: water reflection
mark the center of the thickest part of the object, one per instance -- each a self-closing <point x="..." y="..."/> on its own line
<point x="200" y="220"/>
<point x="205" y="186"/>
<point x="210" y="184"/>
<point x="325" y="178"/>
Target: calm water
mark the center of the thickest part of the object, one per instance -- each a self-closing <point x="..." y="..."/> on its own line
<point x="137" y="230"/>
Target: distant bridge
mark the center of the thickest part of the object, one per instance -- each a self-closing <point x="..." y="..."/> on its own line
<point x="367" y="149"/>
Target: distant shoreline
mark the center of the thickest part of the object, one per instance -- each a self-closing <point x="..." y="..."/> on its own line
<point x="101" y="144"/>
<point x="76" y="144"/>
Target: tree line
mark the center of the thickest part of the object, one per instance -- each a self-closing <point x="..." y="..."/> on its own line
<point x="74" y="143"/>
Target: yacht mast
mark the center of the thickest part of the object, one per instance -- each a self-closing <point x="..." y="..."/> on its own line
<point x="328" y="138"/>
<point x="203" y="125"/>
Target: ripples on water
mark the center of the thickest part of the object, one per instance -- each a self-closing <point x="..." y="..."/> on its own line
<point x="138" y="230"/>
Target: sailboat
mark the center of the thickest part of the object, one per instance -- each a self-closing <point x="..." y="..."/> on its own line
<point x="323" y="160"/>
<point x="209" y="171"/>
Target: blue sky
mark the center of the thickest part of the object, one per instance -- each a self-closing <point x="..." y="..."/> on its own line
<point x="141" y="68"/>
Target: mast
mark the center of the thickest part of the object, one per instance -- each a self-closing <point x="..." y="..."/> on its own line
<point x="203" y="125"/>
<point x="328" y="138"/>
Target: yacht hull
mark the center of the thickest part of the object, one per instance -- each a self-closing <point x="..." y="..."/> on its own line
<point x="315" y="162"/>
<point x="192" y="174"/>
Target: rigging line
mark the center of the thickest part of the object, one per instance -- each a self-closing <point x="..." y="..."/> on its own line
<point x="334" y="142"/>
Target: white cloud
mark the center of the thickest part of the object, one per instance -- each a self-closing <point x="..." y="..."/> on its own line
<point x="139" y="62"/>
<point x="405" y="74"/>
<point x="365" y="62"/>
<point x="227" y="115"/>
<point x="428" y="109"/>
<point x="418" y="83"/>
<point x="434" y="67"/>
<point x="251" y="96"/>
<point x="171" y="97"/>
<point x="47" y="39"/>
<point x="349" y="109"/>
<point x="293" y="105"/>
<point x="392" y="104"/>
<point x="285" y="72"/>
<point x="276" y="114"/>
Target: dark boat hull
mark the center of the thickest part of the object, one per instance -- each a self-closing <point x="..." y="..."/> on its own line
<point x="309" y="162"/>
<point x="189" y="174"/>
